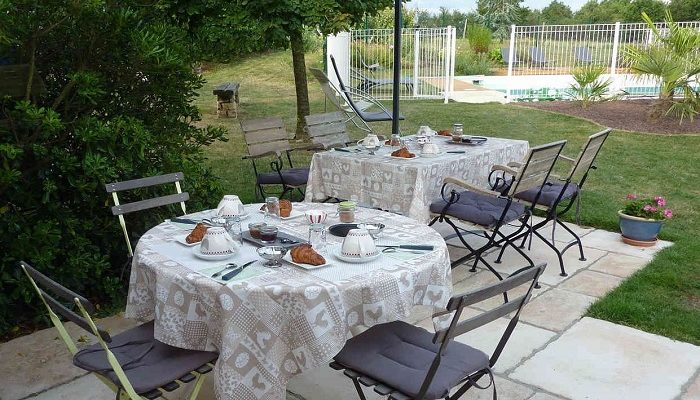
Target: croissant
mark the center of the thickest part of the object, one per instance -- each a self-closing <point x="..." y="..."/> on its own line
<point x="305" y="254"/>
<point x="445" y="132"/>
<point x="197" y="234"/>
<point x="403" y="152"/>
<point x="285" y="208"/>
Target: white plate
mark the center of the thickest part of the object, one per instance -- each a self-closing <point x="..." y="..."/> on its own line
<point x="243" y="216"/>
<point x="430" y="155"/>
<point x="288" y="258"/>
<point x="403" y="158"/>
<point x="197" y="251"/>
<point x="182" y="239"/>
<point x="354" y="260"/>
<point x="293" y="214"/>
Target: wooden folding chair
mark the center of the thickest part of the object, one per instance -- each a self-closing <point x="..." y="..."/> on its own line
<point x="327" y="130"/>
<point x="405" y="362"/>
<point x="133" y="363"/>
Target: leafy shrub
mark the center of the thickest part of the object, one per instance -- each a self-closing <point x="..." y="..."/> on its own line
<point x="469" y="63"/>
<point x="589" y="85"/>
<point x="479" y="38"/>
<point x="117" y="105"/>
<point x="496" y="56"/>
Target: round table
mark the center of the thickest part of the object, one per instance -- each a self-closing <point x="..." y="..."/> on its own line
<point x="270" y="324"/>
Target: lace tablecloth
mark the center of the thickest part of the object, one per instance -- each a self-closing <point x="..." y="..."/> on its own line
<point x="279" y="322"/>
<point x="405" y="186"/>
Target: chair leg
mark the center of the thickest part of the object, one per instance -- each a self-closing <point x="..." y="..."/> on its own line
<point x="197" y="385"/>
<point x="559" y="254"/>
<point x="577" y="240"/>
<point x="358" y="388"/>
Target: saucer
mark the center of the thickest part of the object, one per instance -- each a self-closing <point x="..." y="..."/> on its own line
<point x="355" y="260"/>
<point x="197" y="251"/>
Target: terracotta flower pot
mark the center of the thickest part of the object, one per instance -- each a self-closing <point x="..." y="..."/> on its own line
<point x="639" y="231"/>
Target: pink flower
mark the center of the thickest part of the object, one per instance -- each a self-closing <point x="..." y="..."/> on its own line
<point x="668" y="213"/>
<point x="660" y="201"/>
<point x="647" y="207"/>
<point x="631" y="196"/>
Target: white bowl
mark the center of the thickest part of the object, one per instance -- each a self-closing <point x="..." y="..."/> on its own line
<point x="359" y="244"/>
<point x="217" y="242"/>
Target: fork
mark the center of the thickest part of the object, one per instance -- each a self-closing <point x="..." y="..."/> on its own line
<point x="228" y="266"/>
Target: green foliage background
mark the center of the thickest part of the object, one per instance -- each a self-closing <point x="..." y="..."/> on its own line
<point x="117" y="106"/>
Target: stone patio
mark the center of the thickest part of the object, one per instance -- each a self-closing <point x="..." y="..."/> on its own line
<point x="554" y="353"/>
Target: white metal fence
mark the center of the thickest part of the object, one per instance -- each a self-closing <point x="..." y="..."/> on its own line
<point x="365" y="60"/>
<point x="557" y="49"/>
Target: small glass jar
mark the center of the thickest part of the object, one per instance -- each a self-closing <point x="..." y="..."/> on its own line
<point x="458" y="129"/>
<point x="395" y="140"/>
<point x="272" y="206"/>
<point x="346" y="211"/>
<point x="254" y="229"/>
<point x="268" y="234"/>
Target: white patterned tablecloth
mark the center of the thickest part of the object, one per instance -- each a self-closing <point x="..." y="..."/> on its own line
<point x="280" y="322"/>
<point x="405" y="186"/>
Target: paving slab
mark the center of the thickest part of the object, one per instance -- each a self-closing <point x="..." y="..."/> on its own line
<point x="507" y="390"/>
<point x="324" y="383"/>
<point x="556" y="309"/>
<point x="591" y="283"/>
<point x="85" y="387"/>
<point x="612" y="241"/>
<point x="34" y="363"/>
<point x="600" y="360"/>
<point x="545" y="396"/>
<point x="619" y="264"/>
<point x="483" y="278"/>
<point x="692" y="392"/>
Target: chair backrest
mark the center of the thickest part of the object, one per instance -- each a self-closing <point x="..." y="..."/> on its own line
<point x="53" y="295"/>
<point x="505" y="54"/>
<point x="526" y="278"/>
<point x="536" y="168"/>
<point x="588" y="155"/>
<point x="55" y="308"/>
<point x="328" y="129"/>
<point x="265" y="135"/>
<point x="583" y="54"/>
<point x="343" y="88"/>
<point x="121" y="209"/>
<point x="332" y="94"/>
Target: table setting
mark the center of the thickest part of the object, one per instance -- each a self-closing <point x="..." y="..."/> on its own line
<point x="275" y="305"/>
<point x="404" y="174"/>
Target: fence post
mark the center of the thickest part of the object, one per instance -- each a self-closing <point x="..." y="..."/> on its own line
<point x="446" y="87"/>
<point x="453" y="57"/>
<point x="416" y="59"/>
<point x="615" y="50"/>
<point x="511" y="57"/>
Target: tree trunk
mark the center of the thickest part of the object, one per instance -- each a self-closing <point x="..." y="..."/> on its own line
<point x="297" y="43"/>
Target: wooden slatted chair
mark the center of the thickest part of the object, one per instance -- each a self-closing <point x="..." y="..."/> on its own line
<point x="133" y="363"/>
<point x="404" y="362"/>
<point x="327" y="130"/>
<point x="268" y="139"/>
<point x="558" y="196"/>
<point x="122" y="209"/>
<point x="491" y="210"/>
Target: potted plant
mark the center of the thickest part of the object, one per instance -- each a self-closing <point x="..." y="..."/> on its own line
<point x="641" y="219"/>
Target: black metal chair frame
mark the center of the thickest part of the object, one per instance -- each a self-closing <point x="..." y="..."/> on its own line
<point x="276" y="165"/>
<point x="444" y="336"/>
<point x="498" y="238"/>
<point x="585" y="162"/>
<point x="47" y="288"/>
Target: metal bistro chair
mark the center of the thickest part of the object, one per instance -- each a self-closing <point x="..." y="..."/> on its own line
<point x="491" y="210"/>
<point x="349" y="94"/>
<point x="337" y="98"/>
<point x="267" y="138"/>
<point x="327" y="130"/>
<point x="133" y="363"/>
<point x="122" y="209"/>
<point x="407" y="362"/>
<point x="557" y="197"/>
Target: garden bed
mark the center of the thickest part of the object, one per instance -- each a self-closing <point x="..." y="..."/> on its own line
<point x="630" y="115"/>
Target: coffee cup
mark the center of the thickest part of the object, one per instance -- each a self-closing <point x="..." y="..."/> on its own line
<point x="217" y="242"/>
<point x="430" y="149"/>
<point x="359" y="244"/>
<point x="370" y="141"/>
<point x="230" y="206"/>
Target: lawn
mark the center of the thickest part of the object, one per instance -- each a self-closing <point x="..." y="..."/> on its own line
<point x="663" y="298"/>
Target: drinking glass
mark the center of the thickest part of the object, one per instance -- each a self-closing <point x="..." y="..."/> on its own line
<point x="317" y="236"/>
<point x="272" y="210"/>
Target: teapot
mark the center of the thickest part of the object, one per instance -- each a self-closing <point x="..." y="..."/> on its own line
<point x="370" y="141"/>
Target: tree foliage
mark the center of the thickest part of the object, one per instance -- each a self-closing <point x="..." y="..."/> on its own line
<point x="499" y="15"/>
<point x="117" y="106"/>
<point x="557" y="13"/>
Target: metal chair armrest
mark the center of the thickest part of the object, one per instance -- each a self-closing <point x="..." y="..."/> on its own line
<point x="266" y="154"/>
<point x="507" y="169"/>
<point x="365" y="97"/>
<point x="515" y="164"/>
<point x="470" y="187"/>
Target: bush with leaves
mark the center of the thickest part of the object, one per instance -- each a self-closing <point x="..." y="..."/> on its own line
<point x="479" y="38"/>
<point x="117" y="106"/>
<point x="469" y="63"/>
<point x="589" y="84"/>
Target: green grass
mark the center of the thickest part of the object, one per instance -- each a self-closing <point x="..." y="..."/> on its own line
<point x="663" y="298"/>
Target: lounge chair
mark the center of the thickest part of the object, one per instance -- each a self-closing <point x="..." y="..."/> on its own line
<point x="583" y="55"/>
<point x="338" y="99"/>
<point x="349" y="94"/>
<point x="505" y="54"/>
<point x="537" y="57"/>
<point x="368" y="82"/>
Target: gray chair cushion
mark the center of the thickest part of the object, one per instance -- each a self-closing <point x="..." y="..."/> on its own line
<point x="148" y="363"/>
<point x="292" y="176"/>
<point x="375" y="116"/>
<point x="399" y="355"/>
<point x="550" y="193"/>
<point x="479" y="209"/>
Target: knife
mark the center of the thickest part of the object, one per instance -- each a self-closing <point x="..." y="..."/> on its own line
<point x="184" y="221"/>
<point x="410" y="247"/>
<point x="342" y="149"/>
<point x="455" y="152"/>
<point x="236" y="271"/>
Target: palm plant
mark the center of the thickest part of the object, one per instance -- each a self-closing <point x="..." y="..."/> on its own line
<point x="589" y="85"/>
<point x="674" y="61"/>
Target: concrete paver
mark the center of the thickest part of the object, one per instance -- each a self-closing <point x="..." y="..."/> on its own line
<point x="556" y="309"/>
<point x="600" y="360"/>
<point x="619" y="264"/>
<point x="591" y="283"/>
<point x="612" y="241"/>
<point x="692" y="392"/>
